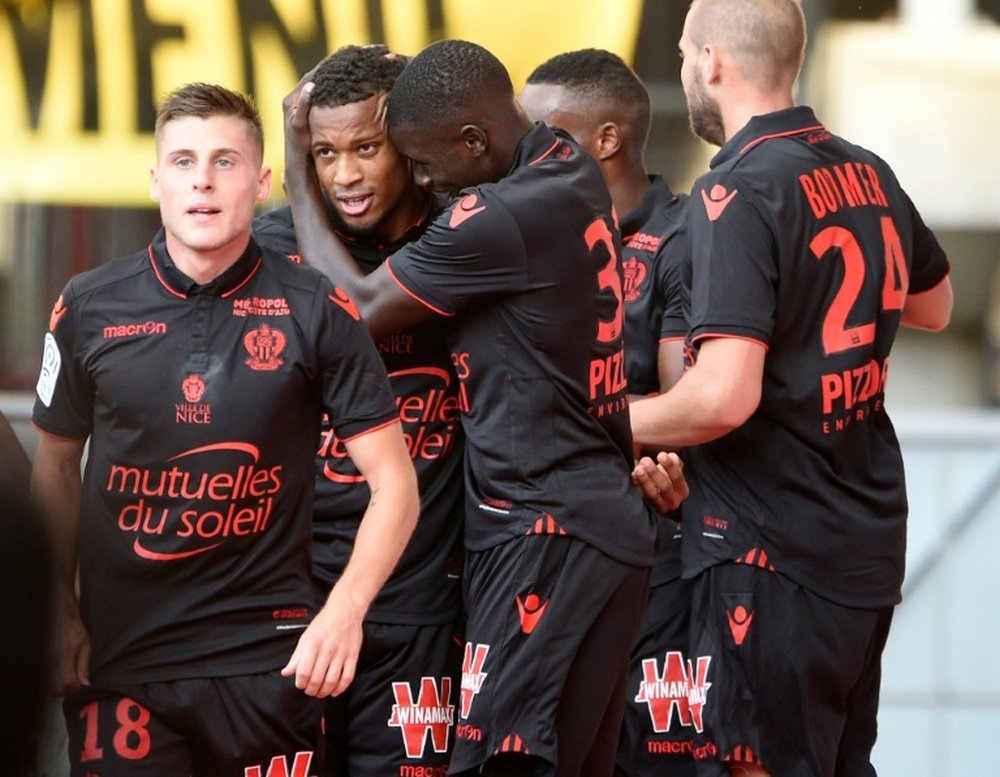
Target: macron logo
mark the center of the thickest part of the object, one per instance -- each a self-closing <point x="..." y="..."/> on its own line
<point x="717" y="200"/>
<point x="464" y="209"/>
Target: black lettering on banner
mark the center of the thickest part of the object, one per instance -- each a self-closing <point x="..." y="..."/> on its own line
<point x="147" y="34"/>
<point x="255" y="15"/>
<point x="80" y="79"/>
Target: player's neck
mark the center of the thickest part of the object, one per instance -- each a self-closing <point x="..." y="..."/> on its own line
<point x="204" y="266"/>
<point x="628" y="185"/>
<point x="408" y="213"/>
<point x="737" y="114"/>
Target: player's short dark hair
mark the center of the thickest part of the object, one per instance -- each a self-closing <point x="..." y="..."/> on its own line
<point x="597" y="73"/>
<point x="353" y="74"/>
<point x="446" y="81"/>
<point x="203" y="101"/>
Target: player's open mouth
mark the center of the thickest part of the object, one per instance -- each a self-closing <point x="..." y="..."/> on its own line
<point x="203" y="212"/>
<point x="354" y="206"/>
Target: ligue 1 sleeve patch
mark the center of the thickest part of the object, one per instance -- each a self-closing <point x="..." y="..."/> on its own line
<point x="49" y="375"/>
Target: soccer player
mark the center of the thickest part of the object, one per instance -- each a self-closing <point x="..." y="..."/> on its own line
<point x="198" y="370"/>
<point x="399" y="711"/>
<point x="806" y="257"/>
<point x="525" y="266"/>
<point x="599" y="100"/>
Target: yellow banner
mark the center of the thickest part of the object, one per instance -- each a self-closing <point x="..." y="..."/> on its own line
<point x="79" y="79"/>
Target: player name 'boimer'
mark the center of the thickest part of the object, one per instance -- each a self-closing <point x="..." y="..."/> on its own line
<point x="846" y="185"/>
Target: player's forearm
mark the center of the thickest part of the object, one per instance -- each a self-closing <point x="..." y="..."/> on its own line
<point x="676" y="419"/>
<point x="56" y="487"/>
<point x="382" y="536"/>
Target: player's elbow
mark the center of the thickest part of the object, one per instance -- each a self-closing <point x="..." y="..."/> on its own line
<point x="929" y="310"/>
<point x="731" y="406"/>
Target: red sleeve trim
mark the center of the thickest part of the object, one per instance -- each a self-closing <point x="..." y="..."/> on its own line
<point x="418" y="298"/>
<point x="719" y="336"/>
<point x="371" y="429"/>
<point x="58" y="436"/>
<point x="673" y="339"/>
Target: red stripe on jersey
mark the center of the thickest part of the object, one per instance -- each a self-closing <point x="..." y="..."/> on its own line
<point x="245" y="281"/>
<point x="160" y="278"/>
<point x="712" y="335"/>
<point x="418" y="298"/>
<point x="548" y="152"/>
<point x="789" y="133"/>
<point x="673" y="339"/>
<point x="57" y="436"/>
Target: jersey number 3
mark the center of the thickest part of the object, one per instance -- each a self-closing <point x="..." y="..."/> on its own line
<point x="608" y="277"/>
<point x="837" y="334"/>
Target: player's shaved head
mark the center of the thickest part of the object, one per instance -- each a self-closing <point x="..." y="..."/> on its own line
<point x="766" y="37"/>
<point x="448" y="82"/>
<point x="603" y="87"/>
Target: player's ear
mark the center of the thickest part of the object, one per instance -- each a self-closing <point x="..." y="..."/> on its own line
<point x="712" y="63"/>
<point x="475" y="139"/>
<point x="609" y="140"/>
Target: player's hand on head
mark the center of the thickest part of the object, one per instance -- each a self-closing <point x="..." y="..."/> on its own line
<point x="298" y="139"/>
<point x="292" y="100"/>
<point x="661" y="482"/>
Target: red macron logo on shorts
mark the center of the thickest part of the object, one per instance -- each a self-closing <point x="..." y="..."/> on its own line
<point x="739" y="622"/>
<point x="530" y="609"/>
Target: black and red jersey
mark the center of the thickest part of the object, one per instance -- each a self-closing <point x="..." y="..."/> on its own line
<point x="425" y="587"/>
<point x="654" y="246"/>
<point x="528" y="270"/>
<point x="202" y="404"/>
<point x="806" y="244"/>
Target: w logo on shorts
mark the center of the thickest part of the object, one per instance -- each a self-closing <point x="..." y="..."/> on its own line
<point x="431" y="713"/>
<point x="279" y="767"/>
<point x="473" y="675"/>
<point x="682" y="687"/>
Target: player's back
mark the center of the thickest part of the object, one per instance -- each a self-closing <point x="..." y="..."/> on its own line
<point x="530" y="267"/>
<point x="821" y="244"/>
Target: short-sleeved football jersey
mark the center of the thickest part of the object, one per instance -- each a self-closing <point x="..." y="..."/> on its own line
<point x="653" y="253"/>
<point x="528" y="269"/>
<point x="202" y="405"/>
<point x="806" y="244"/>
<point x="425" y="586"/>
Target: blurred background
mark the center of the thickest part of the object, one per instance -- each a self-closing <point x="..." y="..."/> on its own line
<point x="916" y="81"/>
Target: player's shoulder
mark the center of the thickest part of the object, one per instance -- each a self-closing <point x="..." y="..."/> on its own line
<point x="276" y="230"/>
<point x="288" y="271"/>
<point x="118" y="273"/>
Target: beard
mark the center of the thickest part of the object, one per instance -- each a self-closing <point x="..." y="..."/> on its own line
<point x="704" y="116"/>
